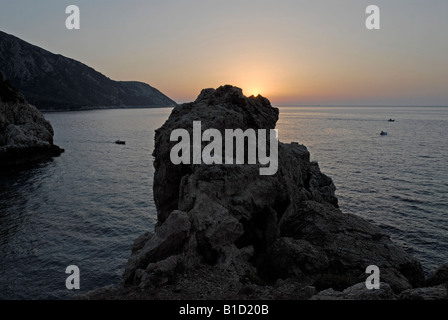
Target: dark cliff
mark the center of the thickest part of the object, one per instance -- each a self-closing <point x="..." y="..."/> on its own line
<point x="25" y="135"/>
<point x="52" y="81"/>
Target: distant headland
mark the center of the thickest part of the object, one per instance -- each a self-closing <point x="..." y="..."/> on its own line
<point x="54" y="82"/>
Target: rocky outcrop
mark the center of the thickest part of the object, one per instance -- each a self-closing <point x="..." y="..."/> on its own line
<point x="427" y="293"/>
<point x="384" y="292"/>
<point x="357" y="292"/>
<point x="226" y="231"/>
<point x="439" y="276"/>
<point x="54" y="82"/>
<point x="25" y="135"/>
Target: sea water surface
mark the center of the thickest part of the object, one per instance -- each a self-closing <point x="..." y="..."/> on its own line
<point x="87" y="206"/>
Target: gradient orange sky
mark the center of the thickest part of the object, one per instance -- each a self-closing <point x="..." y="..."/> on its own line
<point x="293" y="52"/>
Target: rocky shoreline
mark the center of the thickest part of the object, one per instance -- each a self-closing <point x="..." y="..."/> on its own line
<point x="25" y="136"/>
<point x="225" y="232"/>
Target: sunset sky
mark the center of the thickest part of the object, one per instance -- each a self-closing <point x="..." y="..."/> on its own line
<point x="293" y="52"/>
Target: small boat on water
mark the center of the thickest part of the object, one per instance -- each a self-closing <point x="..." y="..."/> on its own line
<point x="383" y="133"/>
<point x="391" y="120"/>
<point x="120" y="142"/>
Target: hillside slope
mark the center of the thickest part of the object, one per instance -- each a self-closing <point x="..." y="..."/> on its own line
<point x="51" y="81"/>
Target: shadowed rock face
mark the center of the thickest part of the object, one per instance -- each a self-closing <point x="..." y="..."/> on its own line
<point x="233" y="220"/>
<point x="25" y="135"/>
<point x="221" y="109"/>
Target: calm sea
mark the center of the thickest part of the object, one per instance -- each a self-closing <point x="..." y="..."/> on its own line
<point x="87" y="206"/>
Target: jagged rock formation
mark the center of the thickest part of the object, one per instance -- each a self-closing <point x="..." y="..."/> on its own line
<point x="360" y="292"/>
<point x="226" y="232"/>
<point x="25" y="135"/>
<point x="227" y="227"/>
<point x="51" y="81"/>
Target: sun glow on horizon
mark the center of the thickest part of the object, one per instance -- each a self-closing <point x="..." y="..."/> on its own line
<point x="277" y="51"/>
<point x="252" y="92"/>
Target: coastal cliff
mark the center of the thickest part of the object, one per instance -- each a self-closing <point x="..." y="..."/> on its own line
<point x="226" y="232"/>
<point x="25" y="135"/>
<point x="54" y="82"/>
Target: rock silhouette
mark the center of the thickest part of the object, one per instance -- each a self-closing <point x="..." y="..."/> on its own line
<point x="230" y="220"/>
<point x="226" y="232"/>
<point x="25" y="135"/>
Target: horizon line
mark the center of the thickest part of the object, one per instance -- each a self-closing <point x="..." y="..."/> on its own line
<point x="360" y="105"/>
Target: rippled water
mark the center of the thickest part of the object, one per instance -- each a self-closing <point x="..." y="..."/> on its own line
<point x="87" y="206"/>
<point x="398" y="181"/>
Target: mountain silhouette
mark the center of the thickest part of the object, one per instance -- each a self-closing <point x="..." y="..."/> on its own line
<point x="54" y="82"/>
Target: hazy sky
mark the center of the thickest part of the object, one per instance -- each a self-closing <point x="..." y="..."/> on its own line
<point x="292" y="52"/>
